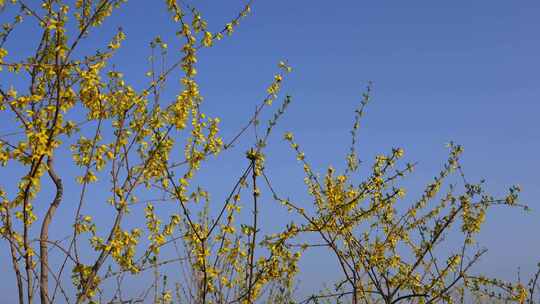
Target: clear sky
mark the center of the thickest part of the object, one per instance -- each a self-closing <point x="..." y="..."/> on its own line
<point x="467" y="71"/>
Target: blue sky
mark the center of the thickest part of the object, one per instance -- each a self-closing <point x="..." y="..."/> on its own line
<point x="466" y="71"/>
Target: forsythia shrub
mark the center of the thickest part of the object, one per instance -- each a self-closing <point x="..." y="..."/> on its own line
<point x="63" y="98"/>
